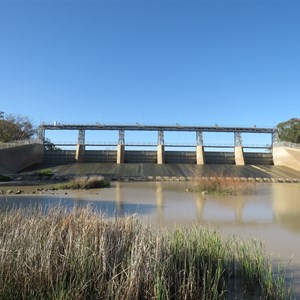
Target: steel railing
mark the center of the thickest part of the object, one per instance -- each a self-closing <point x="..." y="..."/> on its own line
<point x="20" y="143"/>
<point x="286" y="144"/>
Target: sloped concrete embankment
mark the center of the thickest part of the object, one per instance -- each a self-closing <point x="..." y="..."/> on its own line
<point x="175" y="172"/>
<point x="15" y="159"/>
<point x="285" y="156"/>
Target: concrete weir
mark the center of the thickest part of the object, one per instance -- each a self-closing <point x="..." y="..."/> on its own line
<point x="172" y="172"/>
<point x="198" y="157"/>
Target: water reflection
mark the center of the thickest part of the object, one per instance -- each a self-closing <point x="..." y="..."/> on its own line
<point x="159" y="203"/>
<point x="167" y="202"/>
<point x="199" y="203"/>
<point x="44" y="203"/>
<point x="286" y="206"/>
<point x="119" y="201"/>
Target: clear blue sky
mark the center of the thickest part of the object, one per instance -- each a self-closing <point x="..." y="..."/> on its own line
<point x="153" y="62"/>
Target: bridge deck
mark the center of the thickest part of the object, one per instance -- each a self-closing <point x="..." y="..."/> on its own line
<point x="140" y="127"/>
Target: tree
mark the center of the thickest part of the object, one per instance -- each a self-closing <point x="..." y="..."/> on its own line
<point x="289" y="131"/>
<point x="49" y="145"/>
<point x="15" y="128"/>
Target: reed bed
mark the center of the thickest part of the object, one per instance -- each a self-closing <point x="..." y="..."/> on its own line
<point x="223" y="185"/>
<point x="84" y="255"/>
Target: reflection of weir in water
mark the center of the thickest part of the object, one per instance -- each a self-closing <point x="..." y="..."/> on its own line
<point x="156" y="193"/>
<point x="199" y="202"/>
<point x="173" y="203"/>
<point x="286" y="206"/>
<point x="119" y="200"/>
<point x="159" y="202"/>
<point x="208" y="207"/>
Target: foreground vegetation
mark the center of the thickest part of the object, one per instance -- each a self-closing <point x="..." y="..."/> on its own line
<point x="83" y="255"/>
<point x="223" y="185"/>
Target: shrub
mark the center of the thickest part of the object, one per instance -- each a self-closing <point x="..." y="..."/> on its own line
<point x="46" y="172"/>
<point x="4" y="178"/>
<point x="86" y="183"/>
<point x="222" y="185"/>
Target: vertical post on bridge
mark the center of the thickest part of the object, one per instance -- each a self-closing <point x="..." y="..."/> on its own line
<point x="199" y="148"/>
<point x="275" y="137"/>
<point x="41" y="134"/>
<point x="80" y="149"/>
<point x="238" y="149"/>
<point x="41" y="138"/>
<point x="160" y="148"/>
<point x="121" y="147"/>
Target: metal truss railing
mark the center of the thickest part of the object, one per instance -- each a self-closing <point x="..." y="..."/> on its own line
<point x="20" y="143"/>
<point x="287" y="144"/>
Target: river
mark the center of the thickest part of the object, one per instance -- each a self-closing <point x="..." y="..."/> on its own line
<point x="271" y="213"/>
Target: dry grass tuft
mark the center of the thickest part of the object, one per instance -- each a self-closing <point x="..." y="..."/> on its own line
<point x="222" y="185"/>
<point x="86" y="183"/>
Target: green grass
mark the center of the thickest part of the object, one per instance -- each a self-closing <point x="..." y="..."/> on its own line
<point x="46" y="172"/>
<point x="83" y="255"/>
<point x="85" y="183"/>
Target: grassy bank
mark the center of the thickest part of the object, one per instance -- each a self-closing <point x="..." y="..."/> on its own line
<point x="82" y="255"/>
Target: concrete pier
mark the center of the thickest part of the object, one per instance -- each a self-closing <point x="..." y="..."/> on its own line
<point x="80" y="148"/>
<point x="160" y="154"/>
<point x="239" y="156"/>
<point x="200" y="155"/>
<point x="120" y="154"/>
<point x="80" y="151"/>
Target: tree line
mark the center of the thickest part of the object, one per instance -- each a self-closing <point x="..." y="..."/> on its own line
<point x="15" y="128"/>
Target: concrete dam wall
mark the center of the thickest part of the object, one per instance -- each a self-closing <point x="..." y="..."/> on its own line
<point x="16" y="159"/>
<point x="170" y="157"/>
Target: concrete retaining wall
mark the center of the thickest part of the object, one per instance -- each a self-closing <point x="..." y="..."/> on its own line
<point x="289" y="157"/>
<point x="18" y="158"/>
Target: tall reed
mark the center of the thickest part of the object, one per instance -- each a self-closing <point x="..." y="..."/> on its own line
<point x="83" y="255"/>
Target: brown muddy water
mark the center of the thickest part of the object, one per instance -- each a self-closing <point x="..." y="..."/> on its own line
<point x="271" y="213"/>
